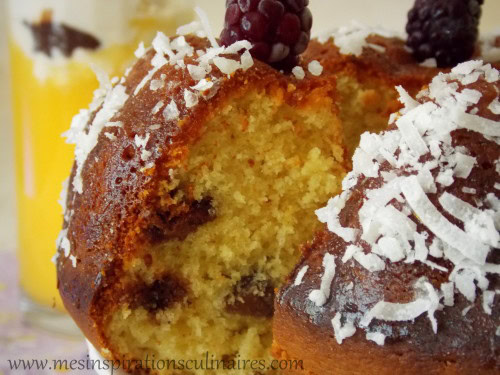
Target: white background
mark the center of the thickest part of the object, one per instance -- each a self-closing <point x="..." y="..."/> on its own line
<point x="327" y="14"/>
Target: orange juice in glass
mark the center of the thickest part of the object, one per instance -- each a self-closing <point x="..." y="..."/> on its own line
<point x="53" y="44"/>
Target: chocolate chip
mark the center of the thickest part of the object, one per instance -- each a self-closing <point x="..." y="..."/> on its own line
<point x="159" y="295"/>
<point x="165" y="227"/>
<point x="252" y="298"/>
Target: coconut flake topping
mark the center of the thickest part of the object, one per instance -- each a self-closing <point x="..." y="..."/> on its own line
<point x="351" y="39"/>
<point x="342" y="331"/>
<point x="420" y="145"/>
<point x="321" y="295"/>
<point x="300" y="275"/>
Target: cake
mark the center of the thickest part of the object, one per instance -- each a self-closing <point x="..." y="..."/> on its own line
<point x="196" y="179"/>
<point x="405" y="277"/>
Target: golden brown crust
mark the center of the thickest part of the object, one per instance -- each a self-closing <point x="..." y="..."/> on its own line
<point x="463" y="345"/>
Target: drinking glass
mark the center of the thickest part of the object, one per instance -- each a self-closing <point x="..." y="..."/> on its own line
<point x="53" y="45"/>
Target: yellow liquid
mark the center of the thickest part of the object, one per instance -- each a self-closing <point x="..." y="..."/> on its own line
<point x="42" y="111"/>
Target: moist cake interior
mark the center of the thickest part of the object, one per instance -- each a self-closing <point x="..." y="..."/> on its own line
<point x="260" y="169"/>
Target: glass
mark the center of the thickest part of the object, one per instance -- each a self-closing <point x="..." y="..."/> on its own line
<point x="52" y="45"/>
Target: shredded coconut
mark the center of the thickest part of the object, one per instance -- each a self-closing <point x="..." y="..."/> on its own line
<point x="171" y="111"/>
<point x="422" y="146"/>
<point x="315" y="68"/>
<point x="298" y="72"/>
<point x="376" y="337"/>
<point x="190" y="98"/>
<point x="390" y="247"/>
<point x="190" y="28"/>
<point x="197" y="72"/>
<point x="448" y="293"/>
<point x="464" y="166"/>
<point x="110" y="136"/>
<point x="112" y="100"/>
<point x="226" y="66"/>
<point x="494" y="107"/>
<point x="206" y="26"/>
<point x="73" y="260"/>
<point x="488" y="298"/>
<point x="466" y="310"/>
<point x="321" y="295"/>
<point x="156" y="84"/>
<point x="246" y="61"/>
<point x="300" y="275"/>
<point x="371" y="262"/>
<point x="203" y="85"/>
<point x="437" y="223"/>
<point x="237" y="47"/>
<point x="140" y="51"/>
<point x="342" y="332"/>
<point x="398" y="312"/>
<point x="158" y="106"/>
<point x="141" y="142"/>
<point x="63" y="243"/>
<point x="352" y="39"/>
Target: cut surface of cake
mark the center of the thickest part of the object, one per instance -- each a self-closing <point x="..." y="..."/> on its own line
<point x="405" y="280"/>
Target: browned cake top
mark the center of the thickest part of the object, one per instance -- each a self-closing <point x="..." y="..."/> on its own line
<point x="384" y="58"/>
<point x="411" y="257"/>
<point x="371" y="53"/>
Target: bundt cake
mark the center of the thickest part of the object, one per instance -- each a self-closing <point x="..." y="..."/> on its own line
<point x="405" y="280"/>
<point x="196" y="179"/>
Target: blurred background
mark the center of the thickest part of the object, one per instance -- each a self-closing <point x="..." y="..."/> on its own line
<point x="15" y="337"/>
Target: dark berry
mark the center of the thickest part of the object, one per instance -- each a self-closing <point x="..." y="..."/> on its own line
<point x="273" y="10"/>
<point x="248" y="5"/>
<point x="289" y="29"/>
<point x="301" y="44"/>
<point x="254" y="25"/>
<point x="233" y="14"/>
<point x="279" y="30"/>
<point x="232" y="34"/>
<point x="261" y="51"/>
<point x="446" y="30"/>
<point x="307" y="20"/>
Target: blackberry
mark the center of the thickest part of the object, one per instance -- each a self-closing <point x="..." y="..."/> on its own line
<point x="444" y="29"/>
<point x="278" y="29"/>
